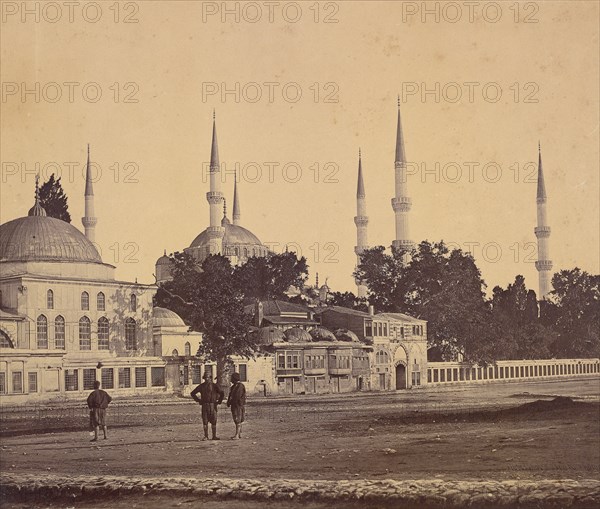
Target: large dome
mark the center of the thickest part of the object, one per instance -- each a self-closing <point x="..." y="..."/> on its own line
<point x="41" y="238"/>
<point x="237" y="241"/>
<point x="234" y="234"/>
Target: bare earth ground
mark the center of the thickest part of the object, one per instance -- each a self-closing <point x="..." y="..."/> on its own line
<point x="489" y="432"/>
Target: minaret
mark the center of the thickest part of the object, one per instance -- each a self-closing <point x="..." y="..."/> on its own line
<point x="89" y="220"/>
<point x="215" y="197"/>
<point x="542" y="232"/>
<point x="401" y="203"/>
<point x="361" y="221"/>
<point x="236" y="204"/>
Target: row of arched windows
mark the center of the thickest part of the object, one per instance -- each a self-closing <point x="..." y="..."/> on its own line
<point x="188" y="350"/>
<point x="85" y="333"/>
<point x="85" y="301"/>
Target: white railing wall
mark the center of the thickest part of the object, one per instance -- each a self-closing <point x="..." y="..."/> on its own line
<point x="443" y="373"/>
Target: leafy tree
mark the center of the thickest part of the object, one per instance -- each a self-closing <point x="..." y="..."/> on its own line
<point x="574" y="312"/>
<point x="519" y="330"/>
<point x="347" y="300"/>
<point x="54" y="199"/>
<point x="209" y="298"/>
<point x="269" y="277"/>
<point x="435" y="284"/>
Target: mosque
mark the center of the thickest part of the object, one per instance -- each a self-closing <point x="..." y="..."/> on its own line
<point x="66" y="321"/>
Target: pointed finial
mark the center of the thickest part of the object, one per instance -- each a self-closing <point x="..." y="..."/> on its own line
<point x="214" y="114"/>
<point x="317" y="281"/>
<point x="37" y="209"/>
<point x="224" y="207"/>
<point x="359" y="154"/>
<point x="539" y="147"/>
<point x="165" y="252"/>
<point x="398" y="101"/>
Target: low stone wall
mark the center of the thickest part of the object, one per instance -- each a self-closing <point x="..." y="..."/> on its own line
<point x="583" y="494"/>
<point x="443" y="373"/>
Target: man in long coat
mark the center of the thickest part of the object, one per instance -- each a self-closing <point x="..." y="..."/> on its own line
<point x="211" y="395"/>
<point x="97" y="402"/>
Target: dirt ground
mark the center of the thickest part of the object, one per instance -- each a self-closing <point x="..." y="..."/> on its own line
<point x="512" y="431"/>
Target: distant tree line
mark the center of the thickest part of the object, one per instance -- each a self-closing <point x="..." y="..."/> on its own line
<point x="445" y="288"/>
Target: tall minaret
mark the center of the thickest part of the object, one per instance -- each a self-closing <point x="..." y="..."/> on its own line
<point x="236" y="204"/>
<point x="542" y="232"/>
<point x="215" y="197"/>
<point x="89" y="220"/>
<point x="361" y="221"/>
<point x="401" y="203"/>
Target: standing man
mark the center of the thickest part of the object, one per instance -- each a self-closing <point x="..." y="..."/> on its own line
<point x="97" y="402"/>
<point x="237" y="401"/>
<point x="211" y="395"/>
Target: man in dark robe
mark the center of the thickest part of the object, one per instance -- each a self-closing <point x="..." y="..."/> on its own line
<point x="237" y="401"/>
<point x="97" y="402"/>
<point x="211" y="395"/>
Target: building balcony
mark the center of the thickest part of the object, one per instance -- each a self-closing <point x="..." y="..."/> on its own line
<point x="315" y="371"/>
<point x="340" y="371"/>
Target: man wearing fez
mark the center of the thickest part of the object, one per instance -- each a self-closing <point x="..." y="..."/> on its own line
<point x="211" y="395"/>
<point x="97" y="402"/>
<point x="237" y="401"/>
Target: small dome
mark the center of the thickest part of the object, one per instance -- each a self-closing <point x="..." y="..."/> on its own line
<point x="346" y="335"/>
<point x="164" y="260"/>
<point x="322" y="334"/>
<point x="38" y="237"/>
<point x="163" y="317"/>
<point x="37" y="210"/>
<point x="297" y="335"/>
<point x="268" y="335"/>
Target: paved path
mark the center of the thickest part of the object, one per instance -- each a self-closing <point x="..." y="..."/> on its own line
<point x="370" y="493"/>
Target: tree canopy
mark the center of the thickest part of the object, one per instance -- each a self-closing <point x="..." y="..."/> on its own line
<point x="54" y="199"/>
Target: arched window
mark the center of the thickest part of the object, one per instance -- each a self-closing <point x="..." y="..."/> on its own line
<point x="42" y="332"/>
<point x="59" y="332"/>
<point x="85" y="301"/>
<point x="103" y="333"/>
<point x="175" y="353"/>
<point x="5" y="341"/>
<point x="85" y="333"/>
<point x="188" y="349"/>
<point x="130" y="334"/>
<point x="50" y="299"/>
<point x="133" y="303"/>
<point x="100" y="302"/>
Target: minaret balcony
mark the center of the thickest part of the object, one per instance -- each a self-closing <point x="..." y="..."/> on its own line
<point x="401" y="204"/>
<point x="542" y="231"/>
<point x="89" y="221"/>
<point x="361" y="220"/>
<point x="543" y="265"/>
<point x="403" y="244"/>
<point x="214" y="197"/>
<point x="215" y="232"/>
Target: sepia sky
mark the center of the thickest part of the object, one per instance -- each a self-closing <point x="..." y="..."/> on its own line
<point x="502" y="84"/>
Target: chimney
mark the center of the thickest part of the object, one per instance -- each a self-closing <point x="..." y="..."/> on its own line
<point x="372" y="310"/>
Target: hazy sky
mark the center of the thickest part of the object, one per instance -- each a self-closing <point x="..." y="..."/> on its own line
<point x="497" y="83"/>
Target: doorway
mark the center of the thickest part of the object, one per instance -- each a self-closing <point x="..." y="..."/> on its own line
<point x="400" y="377"/>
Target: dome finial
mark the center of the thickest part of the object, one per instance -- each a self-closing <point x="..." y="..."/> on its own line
<point x="37" y="209"/>
<point x="224" y="207"/>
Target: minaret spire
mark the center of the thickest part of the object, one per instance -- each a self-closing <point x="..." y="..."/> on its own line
<point x="542" y="232"/>
<point x="361" y="221"/>
<point x="236" y="203"/>
<point x="89" y="220"/>
<point x="215" y="196"/>
<point x="401" y="203"/>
